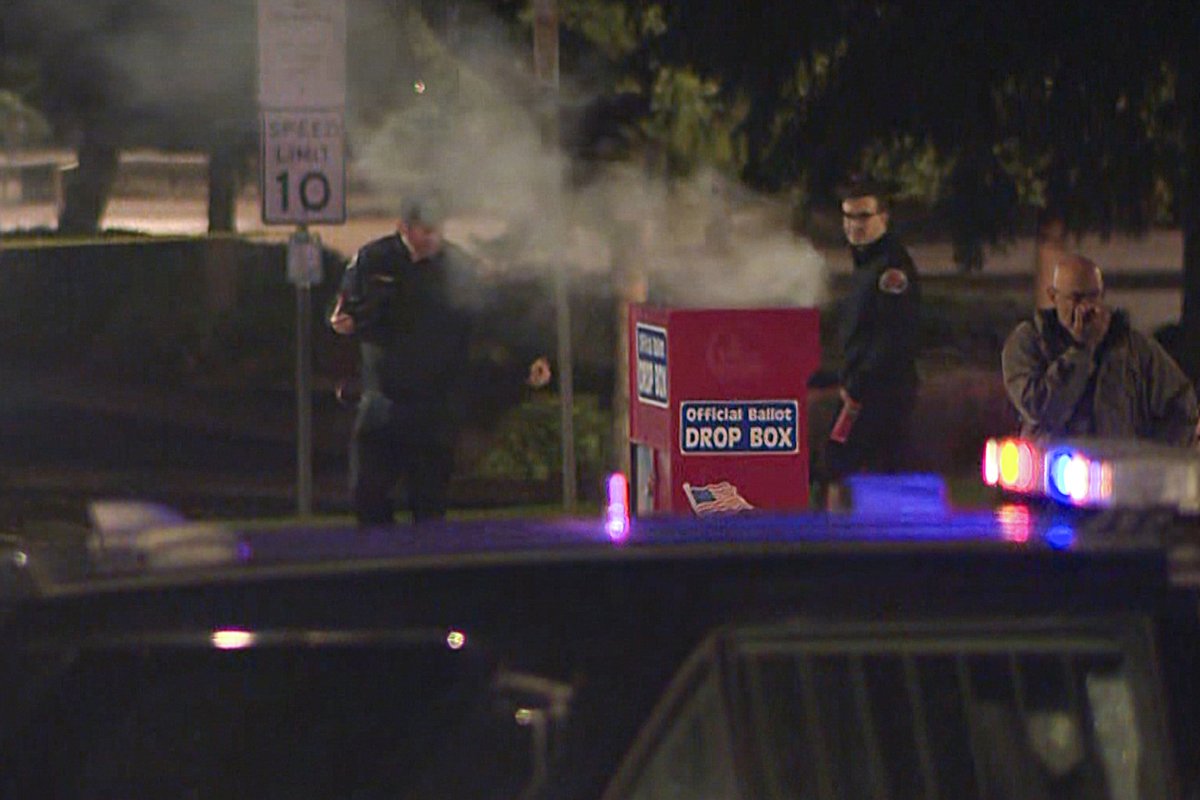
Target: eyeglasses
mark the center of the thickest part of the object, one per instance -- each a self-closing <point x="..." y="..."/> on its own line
<point x="1078" y="297"/>
<point x="860" y="216"/>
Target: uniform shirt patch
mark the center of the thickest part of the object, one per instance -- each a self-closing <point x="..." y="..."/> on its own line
<point x="893" y="281"/>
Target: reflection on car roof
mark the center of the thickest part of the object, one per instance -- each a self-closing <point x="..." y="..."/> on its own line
<point x="191" y="552"/>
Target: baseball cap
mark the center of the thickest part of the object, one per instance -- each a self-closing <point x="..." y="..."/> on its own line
<point x="423" y="208"/>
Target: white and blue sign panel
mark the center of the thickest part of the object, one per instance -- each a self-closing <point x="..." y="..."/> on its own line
<point x="739" y="427"/>
<point x="651" y="364"/>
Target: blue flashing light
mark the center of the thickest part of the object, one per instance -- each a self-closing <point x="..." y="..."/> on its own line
<point x="1069" y="477"/>
<point x="1059" y="464"/>
<point x="898" y="495"/>
<point x="1060" y="537"/>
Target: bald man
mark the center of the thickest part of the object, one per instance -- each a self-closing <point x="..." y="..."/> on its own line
<point x="1080" y="369"/>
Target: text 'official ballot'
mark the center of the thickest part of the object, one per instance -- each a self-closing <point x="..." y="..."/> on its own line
<point x="714" y="427"/>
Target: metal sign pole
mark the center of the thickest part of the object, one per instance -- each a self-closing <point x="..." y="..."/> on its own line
<point x="545" y="57"/>
<point x="304" y="447"/>
<point x="566" y="384"/>
<point x="304" y="269"/>
<point x="302" y="165"/>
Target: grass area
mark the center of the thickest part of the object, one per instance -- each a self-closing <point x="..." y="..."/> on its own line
<point x="540" y="511"/>
<point x="61" y="532"/>
<point x="964" y="492"/>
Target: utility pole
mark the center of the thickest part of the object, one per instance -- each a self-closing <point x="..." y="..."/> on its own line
<point x="545" y="62"/>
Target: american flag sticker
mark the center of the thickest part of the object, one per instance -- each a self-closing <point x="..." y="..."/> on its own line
<point x="715" y="498"/>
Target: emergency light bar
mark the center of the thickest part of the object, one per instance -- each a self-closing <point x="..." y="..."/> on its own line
<point x="1096" y="473"/>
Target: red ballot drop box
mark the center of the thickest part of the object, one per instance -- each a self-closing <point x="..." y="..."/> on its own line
<point x="717" y="408"/>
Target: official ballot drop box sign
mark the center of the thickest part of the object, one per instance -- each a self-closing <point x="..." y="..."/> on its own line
<point x="717" y="411"/>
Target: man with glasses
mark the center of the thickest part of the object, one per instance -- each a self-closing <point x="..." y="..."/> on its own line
<point x="1080" y="369"/>
<point x="879" y="344"/>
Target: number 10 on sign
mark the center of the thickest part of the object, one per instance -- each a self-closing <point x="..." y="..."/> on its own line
<point x="313" y="190"/>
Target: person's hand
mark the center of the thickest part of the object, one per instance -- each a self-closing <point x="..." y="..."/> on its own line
<point x="847" y="399"/>
<point x="348" y="392"/>
<point x="1089" y="324"/>
<point x="340" y="321"/>
<point x="539" y="373"/>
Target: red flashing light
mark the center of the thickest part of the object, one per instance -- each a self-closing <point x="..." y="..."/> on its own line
<point x="1011" y="464"/>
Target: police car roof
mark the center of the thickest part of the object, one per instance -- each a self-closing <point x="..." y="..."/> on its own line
<point x="207" y="553"/>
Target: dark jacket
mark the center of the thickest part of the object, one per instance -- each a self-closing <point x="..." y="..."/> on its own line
<point x="1127" y="387"/>
<point x="879" y="322"/>
<point x="414" y="323"/>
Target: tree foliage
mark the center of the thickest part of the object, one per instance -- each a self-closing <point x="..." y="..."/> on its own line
<point x="990" y="114"/>
<point x="21" y="125"/>
<point x="987" y="112"/>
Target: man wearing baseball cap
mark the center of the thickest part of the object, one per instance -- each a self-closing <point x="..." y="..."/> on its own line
<point x="410" y="300"/>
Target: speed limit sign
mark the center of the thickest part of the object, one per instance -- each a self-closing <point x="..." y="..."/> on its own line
<point x="303" y="167"/>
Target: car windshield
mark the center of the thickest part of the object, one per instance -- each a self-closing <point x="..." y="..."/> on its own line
<point x="814" y="714"/>
<point x="974" y="727"/>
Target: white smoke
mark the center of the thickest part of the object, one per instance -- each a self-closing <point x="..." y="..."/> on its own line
<point x="461" y="111"/>
<point x="699" y="242"/>
<point x="178" y="59"/>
